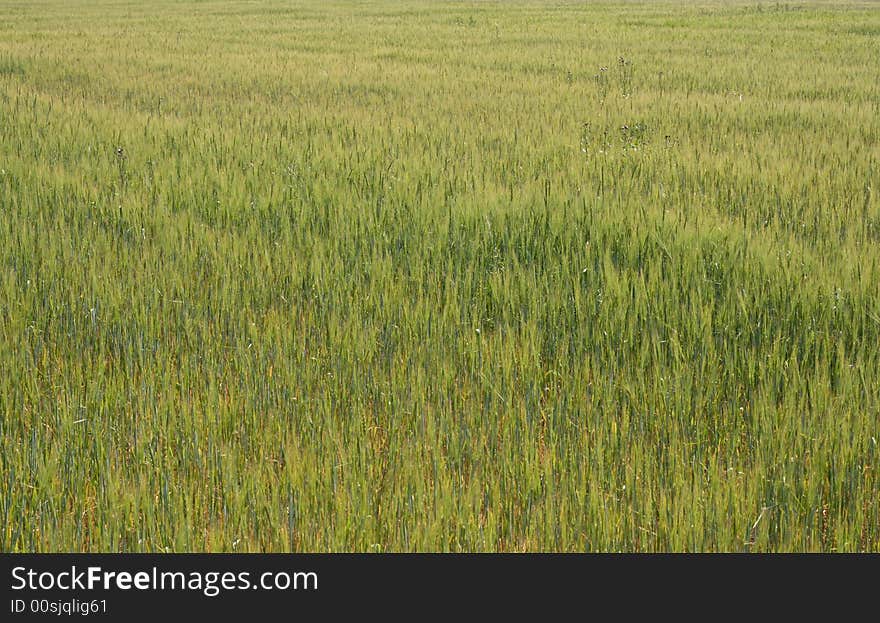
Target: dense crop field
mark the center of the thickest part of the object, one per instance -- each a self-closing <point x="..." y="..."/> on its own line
<point x="308" y="276"/>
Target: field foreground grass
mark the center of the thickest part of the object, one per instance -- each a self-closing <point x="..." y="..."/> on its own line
<point x="392" y="276"/>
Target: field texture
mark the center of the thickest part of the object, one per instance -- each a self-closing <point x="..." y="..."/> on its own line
<point x="307" y="276"/>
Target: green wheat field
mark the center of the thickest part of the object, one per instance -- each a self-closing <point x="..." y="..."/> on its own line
<point x="430" y="276"/>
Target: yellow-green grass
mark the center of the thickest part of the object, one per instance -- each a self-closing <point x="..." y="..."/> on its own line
<point x="392" y="276"/>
